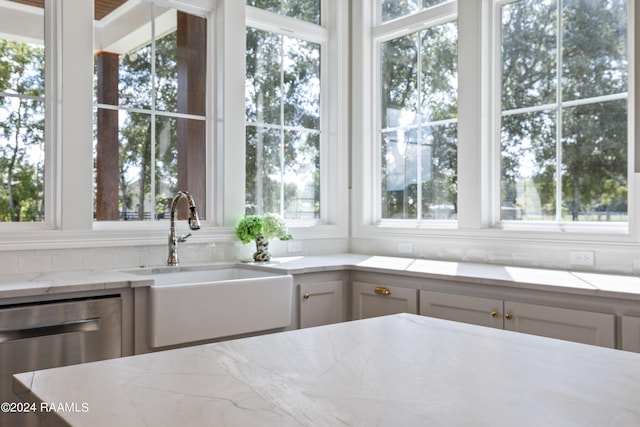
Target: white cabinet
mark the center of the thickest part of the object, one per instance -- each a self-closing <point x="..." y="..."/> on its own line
<point x="554" y="322"/>
<point x="371" y="300"/>
<point x="460" y="308"/>
<point x="321" y="303"/>
<point x="631" y="333"/>
<point x="563" y="323"/>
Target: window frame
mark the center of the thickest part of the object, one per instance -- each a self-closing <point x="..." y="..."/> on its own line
<point x="478" y="147"/>
<point x="69" y="120"/>
<point x="332" y="36"/>
<point x="620" y="230"/>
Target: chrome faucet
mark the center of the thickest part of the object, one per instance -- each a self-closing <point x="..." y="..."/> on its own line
<point x="193" y="220"/>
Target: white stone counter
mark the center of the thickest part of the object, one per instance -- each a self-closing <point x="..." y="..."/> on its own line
<point x="51" y="283"/>
<point x="571" y="282"/>
<point x="400" y="370"/>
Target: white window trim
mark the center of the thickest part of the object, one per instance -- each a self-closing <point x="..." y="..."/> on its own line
<point x="69" y="194"/>
<point x="479" y="154"/>
<point x="333" y="39"/>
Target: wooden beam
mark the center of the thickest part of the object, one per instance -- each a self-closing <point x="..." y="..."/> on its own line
<point x="108" y="147"/>
<point x="192" y="72"/>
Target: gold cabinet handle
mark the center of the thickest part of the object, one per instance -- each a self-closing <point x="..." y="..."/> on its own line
<point x="306" y="296"/>
<point x="508" y="316"/>
<point x="381" y="290"/>
<point x="494" y="314"/>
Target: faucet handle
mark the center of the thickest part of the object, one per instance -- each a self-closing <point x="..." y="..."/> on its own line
<point x="183" y="239"/>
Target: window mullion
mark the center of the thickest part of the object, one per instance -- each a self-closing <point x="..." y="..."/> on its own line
<point x="282" y="133"/>
<point x="559" y="116"/>
<point x="419" y="137"/>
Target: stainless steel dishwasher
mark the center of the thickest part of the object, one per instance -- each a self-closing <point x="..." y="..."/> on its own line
<point x="42" y="335"/>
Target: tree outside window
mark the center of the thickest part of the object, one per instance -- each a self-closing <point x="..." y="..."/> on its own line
<point x="282" y="98"/>
<point x="419" y="125"/>
<point x="21" y="131"/>
<point x="392" y="9"/>
<point x="306" y="10"/>
<point x="564" y="110"/>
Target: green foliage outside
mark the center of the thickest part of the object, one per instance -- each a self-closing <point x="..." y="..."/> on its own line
<point x="586" y="142"/>
<point x="22" y="132"/>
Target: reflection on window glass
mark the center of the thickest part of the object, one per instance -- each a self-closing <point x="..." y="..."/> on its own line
<point x="21" y="130"/>
<point x="419" y="125"/>
<point x="282" y="98"/>
<point x="564" y="111"/>
<point x="306" y="10"/>
<point x="392" y="9"/>
<point x="150" y="126"/>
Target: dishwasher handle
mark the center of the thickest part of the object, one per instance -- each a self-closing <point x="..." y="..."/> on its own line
<point x="85" y="325"/>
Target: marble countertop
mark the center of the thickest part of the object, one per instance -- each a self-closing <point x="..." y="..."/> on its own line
<point x="572" y="282"/>
<point x="395" y="370"/>
<point x="51" y="283"/>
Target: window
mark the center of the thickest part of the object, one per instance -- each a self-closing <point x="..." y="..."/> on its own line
<point x="283" y="124"/>
<point x="564" y="112"/>
<point x="418" y="130"/>
<point x="307" y="10"/>
<point x="151" y="114"/>
<point x="22" y="108"/>
<point x="392" y="9"/>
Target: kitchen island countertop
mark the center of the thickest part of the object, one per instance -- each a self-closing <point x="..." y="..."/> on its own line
<point x="394" y="370"/>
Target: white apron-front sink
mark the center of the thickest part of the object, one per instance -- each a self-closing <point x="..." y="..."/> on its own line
<point x="190" y="306"/>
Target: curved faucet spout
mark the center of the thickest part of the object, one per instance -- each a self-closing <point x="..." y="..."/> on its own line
<point x="193" y="221"/>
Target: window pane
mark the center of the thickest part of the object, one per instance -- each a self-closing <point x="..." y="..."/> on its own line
<point x="301" y="83"/>
<point x="594" y="62"/>
<point x="439" y="166"/>
<point x="306" y="10"/>
<point x="391" y="9"/>
<point x="264" y="169"/>
<point x="439" y="73"/>
<point x="529" y="50"/>
<point x="300" y="179"/>
<point x="400" y="174"/>
<point x="282" y="99"/>
<point x="21" y="130"/>
<point x="577" y="171"/>
<point x="263" y="88"/>
<point x="399" y="81"/>
<point x="146" y="150"/>
<point x="135" y="167"/>
<point x="528" y="167"/>
<point x="419" y="86"/>
<point x="594" y="160"/>
<point x="166" y="77"/>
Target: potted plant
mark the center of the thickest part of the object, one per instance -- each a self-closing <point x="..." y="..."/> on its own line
<point x="261" y="228"/>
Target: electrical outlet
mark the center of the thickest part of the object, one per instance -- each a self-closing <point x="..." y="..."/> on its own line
<point x="405" y="248"/>
<point x="294" y="246"/>
<point x="585" y="258"/>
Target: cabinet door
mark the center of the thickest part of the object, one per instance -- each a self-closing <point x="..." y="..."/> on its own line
<point x="371" y="300"/>
<point x="631" y="333"/>
<point x="460" y="308"/>
<point x="321" y="303"/>
<point x="571" y="325"/>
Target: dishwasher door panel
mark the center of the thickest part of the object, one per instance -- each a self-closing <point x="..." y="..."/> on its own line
<point x="41" y="335"/>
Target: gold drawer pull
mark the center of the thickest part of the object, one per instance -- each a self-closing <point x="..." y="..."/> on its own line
<point x="381" y="290"/>
<point x="494" y="314"/>
<point x="508" y="316"/>
<point x="305" y="296"/>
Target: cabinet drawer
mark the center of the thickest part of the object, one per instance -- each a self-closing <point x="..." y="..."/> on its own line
<point x="563" y="323"/>
<point x="371" y="300"/>
<point x="461" y="308"/>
